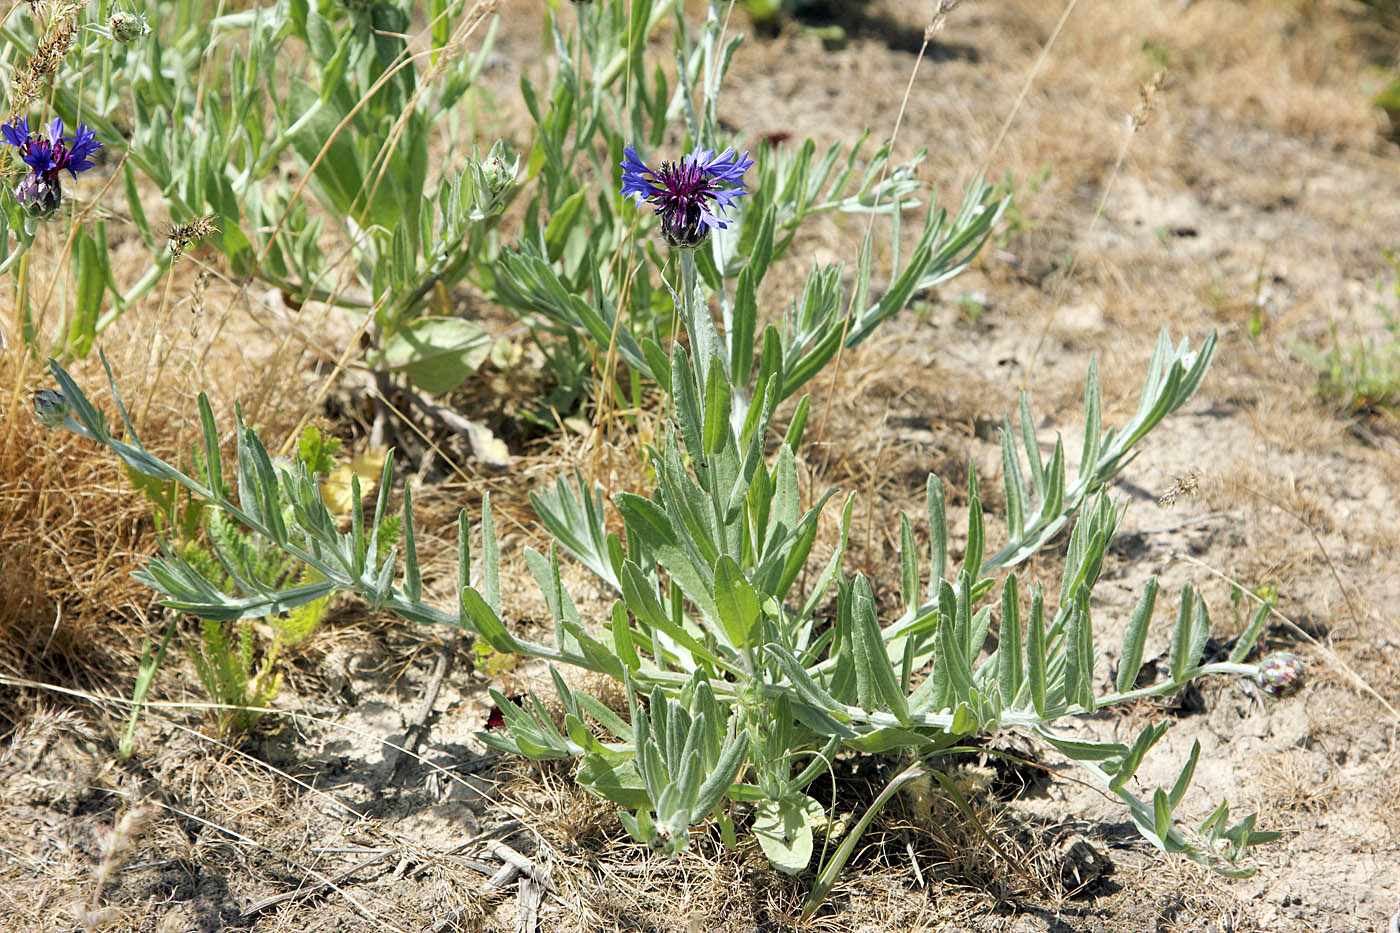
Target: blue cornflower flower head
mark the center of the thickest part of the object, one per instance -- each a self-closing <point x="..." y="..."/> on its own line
<point x="47" y="153"/>
<point x="691" y="195"/>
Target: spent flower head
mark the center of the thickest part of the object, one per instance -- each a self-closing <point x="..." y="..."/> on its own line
<point x="691" y="195"/>
<point x="1281" y="674"/>
<point x="47" y="153"/>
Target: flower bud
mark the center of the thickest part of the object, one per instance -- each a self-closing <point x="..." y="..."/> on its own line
<point x="495" y="180"/>
<point x="126" y="27"/>
<point x="499" y="176"/>
<point x="38" y="196"/>
<point x="51" y="408"/>
<point x="1281" y="674"/>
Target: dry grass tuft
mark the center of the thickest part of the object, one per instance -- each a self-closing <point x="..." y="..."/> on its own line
<point x="72" y="526"/>
<point x="71" y="531"/>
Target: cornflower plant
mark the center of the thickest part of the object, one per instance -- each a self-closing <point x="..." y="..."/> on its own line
<point x="742" y="687"/>
<point x="744" y="680"/>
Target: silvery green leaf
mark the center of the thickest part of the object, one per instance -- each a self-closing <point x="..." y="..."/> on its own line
<point x="737" y="604"/>
<point x="1161" y="814"/>
<point x="1245" y="643"/>
<point x="876" y="684"/>
<point x="1180" y="651"/>
<point x="646" y="520"/>
<point x="464" y="558"/>
<point x="1134" y="637"/>
<point x="605" y="717"/>
<point x="806" y="686"/>
<point x="621" y="629"/>
<point x="909" y="564"/>
<point x="381" y="504"/>
<point x="938" y="534"/>
<point x="1014" y="483"/>
<point x="953" y="660"/>
<point x="490" y="556"/>
<point x="981" y="624"/>
<point x="962" y="618"/>
<point x="640" y="596"/>
<point x="976" y="533"/>
<point x="1093" y="425"/>
<point x="616" y="781"/>
<point x="1032" y="445"/>
<point x="718" y="433"/>
<point x="787" y="550"/>
<point x="833" y="566"/>
<point x="483" y="620"/>
<point x="784" y="831"/>
<point x="1200" y="632"/>
<point x="1183" y="780"/>
<point x="413" y="578"/>
<point x="1009" y="668"/>
<point x="793" y="437"/>
<point x="1035" y="652"/>
<point x="575" y="520"/>
<point x="1079" y="652"/>
<point x="1147" y="738"/>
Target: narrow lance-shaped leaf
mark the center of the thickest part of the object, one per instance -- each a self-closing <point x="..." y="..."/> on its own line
<point x="1250" y="635"/>
<point x="1181" y="634"/>
<point x="1183" y="780"/>
<point x="807" y="688"/>
<point x="1200" y="632"/>
<point x="213" y="462"/>
<point x="381" y="505"/>
<point x="1035" y="651"/>
<point x="358" y="548"/>
<point x="1161" y="813"/>
<point x="413" y="579"/>
<point x="717" y="783"/>
<point x="464" y="560"/>
<point x="1009" y="670"/>
<point x="718" y="401"/>
<point x="976" y="533"/>
<point x="1130" y="660"/>
<point x="1032" y="445"/>
<point x="798" y="424"/>
<point x="876" y="684"/>
<point x="938" y="534"/>
<point x="490" y="556"/>
<point x="1084" y="643"/>
<point x="1093" y="424"/>
<point x="909" y="564"/>
<point x="621" y="628"/>
<point x="737" y="603"/>
<point x="1144" y="742"/>
<point x="1074" y="672"/>
<point x="687" y="405"/>
<point x="1014" y="483"/>
<point x="962" y="616"/>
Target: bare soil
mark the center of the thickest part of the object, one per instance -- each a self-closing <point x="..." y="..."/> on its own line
<point x="1256" y="201"/>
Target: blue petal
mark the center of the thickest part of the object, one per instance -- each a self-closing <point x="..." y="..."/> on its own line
<point x="728" y="166"/>
<point x="40" y="156"/>
<point x="634" y="181"/>
<point x="85" y="143"/>
<point x="55" y="131"/>
<point x="16" y="132"/>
